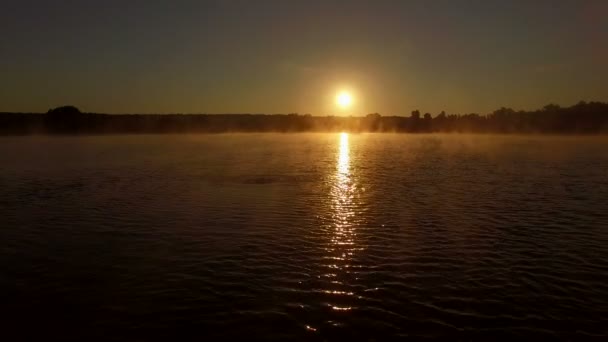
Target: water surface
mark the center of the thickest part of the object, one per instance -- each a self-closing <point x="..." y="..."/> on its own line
<point x="304" y="236"/>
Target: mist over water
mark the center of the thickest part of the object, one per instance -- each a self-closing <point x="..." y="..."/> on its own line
<point x="304" y="236"/>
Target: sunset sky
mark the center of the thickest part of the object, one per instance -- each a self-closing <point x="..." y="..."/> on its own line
<point x="240" y="56"/>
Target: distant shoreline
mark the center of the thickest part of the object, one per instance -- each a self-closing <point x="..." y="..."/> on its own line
<point x="588" y="118"/>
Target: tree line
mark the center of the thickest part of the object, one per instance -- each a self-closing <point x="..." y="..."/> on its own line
<point x="581" y="118"/>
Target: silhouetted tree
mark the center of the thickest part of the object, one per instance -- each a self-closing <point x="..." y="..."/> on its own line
<point x="583" y="117"/>
<point x="65" y="119"/>
<point x="372" y="122"/>
<point x="64" y="111"/>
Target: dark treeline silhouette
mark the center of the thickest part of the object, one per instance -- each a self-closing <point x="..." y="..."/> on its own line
<point x="582" y="118"/>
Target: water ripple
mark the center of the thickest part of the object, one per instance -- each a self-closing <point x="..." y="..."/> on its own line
<point x="312" y="236"/>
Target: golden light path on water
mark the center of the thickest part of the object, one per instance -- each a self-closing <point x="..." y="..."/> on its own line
<point x="343" y="244"/>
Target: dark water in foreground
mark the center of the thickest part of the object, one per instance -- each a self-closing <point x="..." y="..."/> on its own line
<point x="306" y="236"/>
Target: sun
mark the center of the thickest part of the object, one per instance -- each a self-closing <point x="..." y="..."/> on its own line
<point x="344" y="99"/>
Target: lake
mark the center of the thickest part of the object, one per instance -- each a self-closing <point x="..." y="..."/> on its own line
<point x="304" y="237"/>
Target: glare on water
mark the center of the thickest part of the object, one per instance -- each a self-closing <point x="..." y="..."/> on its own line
<point x="343" y="237"/>
<point x="343" y="157"/>
<point x="342" y="195"/>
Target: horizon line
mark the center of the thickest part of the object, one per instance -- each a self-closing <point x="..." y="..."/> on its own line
<point x="316" y="115"/>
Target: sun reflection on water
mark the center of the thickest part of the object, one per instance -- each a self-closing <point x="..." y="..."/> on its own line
<point x="342" y="244"/>
<point x="343" y="158"/>
<point x="342" y="195"/>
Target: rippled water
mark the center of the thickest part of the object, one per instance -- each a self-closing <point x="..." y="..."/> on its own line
<point x="304" y="236"/>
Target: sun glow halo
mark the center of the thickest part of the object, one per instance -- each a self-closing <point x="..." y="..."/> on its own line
<point x="344" y="99"/>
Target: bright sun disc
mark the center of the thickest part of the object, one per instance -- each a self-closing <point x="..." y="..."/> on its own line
<point x="344" y="99"/>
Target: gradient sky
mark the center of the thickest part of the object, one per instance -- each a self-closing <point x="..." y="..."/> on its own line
<point x="263" y="56"/>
